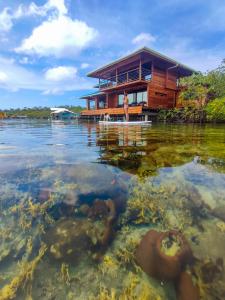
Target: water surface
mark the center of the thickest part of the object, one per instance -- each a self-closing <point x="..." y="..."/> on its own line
<point x="77" y="198"/>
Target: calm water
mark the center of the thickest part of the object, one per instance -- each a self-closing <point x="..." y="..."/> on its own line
<point x="77" y="198"/>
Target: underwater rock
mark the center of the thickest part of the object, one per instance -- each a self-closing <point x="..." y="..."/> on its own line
<point x="185" y="288"/>
<point x="103" y="210"/>
<point x="219" y="212"/>
<point x="71" y="239"/>
<point x="163" y="255"/>
<point x="211" y="271"/>
<point x="95" y="181"/>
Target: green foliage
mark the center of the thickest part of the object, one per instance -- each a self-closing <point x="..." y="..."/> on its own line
<point x="186" y="114"/>
<point x="199" y="89"/>
<point x="216" y="79"/>
<point x="195" y="88"/>
<point x="215" y="110"/>
<point x="38" y="112"/>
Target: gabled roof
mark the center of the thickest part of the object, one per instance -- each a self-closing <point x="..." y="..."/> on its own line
<point x="146" y="50"/>
<point x="58" y="110"/>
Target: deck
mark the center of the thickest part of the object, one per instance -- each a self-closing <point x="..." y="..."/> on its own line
<point x="135" y="110"/>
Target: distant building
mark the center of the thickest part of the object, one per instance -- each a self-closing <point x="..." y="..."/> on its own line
<point x="59" y="113"/>
<point x="149" y="78"/>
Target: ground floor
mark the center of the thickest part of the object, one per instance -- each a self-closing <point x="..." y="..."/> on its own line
<point x="144" y="99"/>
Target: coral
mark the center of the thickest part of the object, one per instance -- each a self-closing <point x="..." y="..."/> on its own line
<point x="65" y="273"/>
<point x="221" y="226"/>
<point x="126" y="252"/>
<point x="154" y="262"/>
<point x="109" y="266"/>
<point x="25" y="276"/>
<point x="134" y="290"/>
<point x="144" y="205"/>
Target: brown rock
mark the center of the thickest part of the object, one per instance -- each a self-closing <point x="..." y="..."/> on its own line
<point x="185" y="288"/>
<point x="157" y="264"/>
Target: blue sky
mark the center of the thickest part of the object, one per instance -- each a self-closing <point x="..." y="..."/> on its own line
<point x="48" y="46"/>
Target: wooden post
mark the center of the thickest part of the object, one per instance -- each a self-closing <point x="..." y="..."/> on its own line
<point x="96" y="102"/>
<point x="148" y="96"/>
<point x="107" y="100"/>
<point x="140" y="70"/>
<point x="166" y="76"/>
<point x="88" y="104"/>
<point x="116" y="76"/>
<point x="152" y="67"/>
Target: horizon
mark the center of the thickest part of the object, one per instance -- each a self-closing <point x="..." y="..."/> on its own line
<point x="39" y="68"/>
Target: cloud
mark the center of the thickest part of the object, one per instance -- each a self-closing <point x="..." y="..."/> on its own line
<point x="7" y="16"/>
<point x="57" y="6"/>
<point x="61" y="73"/>
<point x="5" y="20"/>
<point x="55" y="80"/>
<point x="84" y="65"/>
<point x="143" y="39"/>
<point x="60" y="37"/>
<point x="3" y="77"/>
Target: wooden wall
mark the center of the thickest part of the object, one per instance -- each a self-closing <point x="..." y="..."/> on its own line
<point x="112" y="100"/>
<point x="162" y="89"/>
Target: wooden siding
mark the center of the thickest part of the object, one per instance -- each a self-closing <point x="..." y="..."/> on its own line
<point x="112" y="111"/>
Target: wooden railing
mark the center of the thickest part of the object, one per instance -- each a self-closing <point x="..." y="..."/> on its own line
<point x="129" y="76"/>
<point x="112" y="111"/>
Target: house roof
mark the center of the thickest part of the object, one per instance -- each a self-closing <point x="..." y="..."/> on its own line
<point x="145" y="50"/>
<point x="58" y="110"/>
<point x="92" y="95"/>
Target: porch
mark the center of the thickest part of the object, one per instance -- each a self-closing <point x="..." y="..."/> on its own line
<point x="135" y="110"/>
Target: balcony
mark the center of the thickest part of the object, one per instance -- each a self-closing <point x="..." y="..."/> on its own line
<point x="136" y="75"/>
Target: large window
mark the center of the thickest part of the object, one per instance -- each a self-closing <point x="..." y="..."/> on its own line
<point x="142" y="97"/>
<point x="134" y="98"/>
<point x="131" y="98"/>
<point x="120" y="99"/>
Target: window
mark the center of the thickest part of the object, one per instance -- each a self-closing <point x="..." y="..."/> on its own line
<point x="131" y="98"/>
<point x="101" y="104"/>
<point x="92" y="105"/>
<point x="160" y="94"/>
<point x="141" y="97"/>
<point x="120" y="99"/>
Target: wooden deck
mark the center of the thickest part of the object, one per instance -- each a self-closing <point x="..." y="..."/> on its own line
<point x="135" y="110"/>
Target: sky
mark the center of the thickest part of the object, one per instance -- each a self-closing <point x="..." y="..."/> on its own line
<point x="48" y="46"/>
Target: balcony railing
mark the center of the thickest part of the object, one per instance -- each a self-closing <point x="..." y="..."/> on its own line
<point x="129" y="76"/>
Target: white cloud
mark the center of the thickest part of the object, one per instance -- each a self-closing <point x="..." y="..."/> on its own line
<point x="7" y="16"/>
<point x="61" y="73"/>
<point x="84" y="65"/>
<point x="5" y="20"/>
<point x="3" y="76"/>
<point x="59" y="79"/>
<point x="143" y="39"/>
<point x="60" y="37"/>
<point x="57" y="6"/>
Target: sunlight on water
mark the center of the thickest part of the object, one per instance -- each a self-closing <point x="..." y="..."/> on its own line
<point x="111" y="212"/>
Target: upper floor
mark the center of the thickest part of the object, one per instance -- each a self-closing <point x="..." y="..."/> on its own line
<point x="142" y="66"/>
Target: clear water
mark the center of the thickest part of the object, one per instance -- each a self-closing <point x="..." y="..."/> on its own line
<point x="77" y="198"/>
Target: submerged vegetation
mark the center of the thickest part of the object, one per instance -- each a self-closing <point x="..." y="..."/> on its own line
<point x="72" y="230"/>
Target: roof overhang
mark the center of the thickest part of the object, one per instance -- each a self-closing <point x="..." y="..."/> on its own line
<point x="145" y="54"/>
